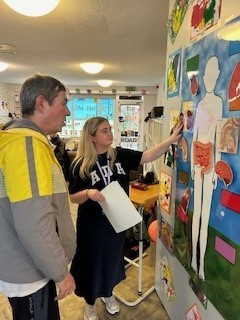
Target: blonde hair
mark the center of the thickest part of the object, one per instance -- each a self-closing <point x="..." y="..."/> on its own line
<point x="86" y="152"/>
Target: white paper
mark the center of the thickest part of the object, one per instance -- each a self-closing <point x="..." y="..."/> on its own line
<point x="118" y="208"/>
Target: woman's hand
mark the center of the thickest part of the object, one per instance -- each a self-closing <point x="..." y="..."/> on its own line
<point x="95" y="195"/>
<point x="177" y="132"/>
<point x="83" y="195"/>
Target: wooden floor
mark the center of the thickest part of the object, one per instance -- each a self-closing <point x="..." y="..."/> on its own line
<point x="71" y="308"/>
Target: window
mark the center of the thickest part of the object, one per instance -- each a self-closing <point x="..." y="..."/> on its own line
<point x="84" y="108"/>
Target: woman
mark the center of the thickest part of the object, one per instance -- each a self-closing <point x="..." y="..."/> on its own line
<point x="98" y="264"/>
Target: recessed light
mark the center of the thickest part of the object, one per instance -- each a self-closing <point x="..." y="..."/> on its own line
<point x="32" y="8"/>
<point x="105" y="83"/>
<point x="92" y="67"/>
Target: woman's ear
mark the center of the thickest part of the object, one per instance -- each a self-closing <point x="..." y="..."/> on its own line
<point x="93" y="138"/>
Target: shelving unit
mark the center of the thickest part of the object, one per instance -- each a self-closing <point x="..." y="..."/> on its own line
<point x="17" y="108"/>
<point x="154" y="137"/>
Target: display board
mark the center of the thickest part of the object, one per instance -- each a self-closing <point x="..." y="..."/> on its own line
<point x="207" y="207"/>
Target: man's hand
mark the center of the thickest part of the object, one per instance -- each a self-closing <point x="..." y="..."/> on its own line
<point x="65" y="287"/>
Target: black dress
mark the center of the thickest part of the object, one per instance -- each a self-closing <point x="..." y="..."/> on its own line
<point x="98" y="264"/>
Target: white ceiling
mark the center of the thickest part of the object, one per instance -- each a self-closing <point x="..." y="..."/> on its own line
<point x="128" y="36"/>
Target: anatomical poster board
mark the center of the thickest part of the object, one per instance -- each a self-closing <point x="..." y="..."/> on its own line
<point x="207" y="207"/>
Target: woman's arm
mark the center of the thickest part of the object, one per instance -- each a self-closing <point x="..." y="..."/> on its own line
<point x="83" y="195"/>
<point x="157" y="151"/>
<point x="80" y="196"/>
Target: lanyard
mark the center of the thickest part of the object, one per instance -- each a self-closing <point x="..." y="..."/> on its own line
<point x="106" y="182"/>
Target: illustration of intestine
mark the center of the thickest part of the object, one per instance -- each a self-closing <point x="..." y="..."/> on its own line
<point x="203" y="156"/>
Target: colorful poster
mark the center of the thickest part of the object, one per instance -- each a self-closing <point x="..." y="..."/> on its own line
<point x="173" y="74"/>
<point x="176" y="18"/>
<point x="170" y="155"/>
<point x="205" y="14"/>
<point x="166" y="234"/>
<point x="166" y="278"/>
<point x="165" y="189"/>
<point x="207" y="206"/>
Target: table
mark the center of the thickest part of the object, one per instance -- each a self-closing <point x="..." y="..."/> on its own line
<point x="140" y="199"/>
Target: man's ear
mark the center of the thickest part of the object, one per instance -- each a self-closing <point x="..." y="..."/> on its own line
<point x="40" y="103"/>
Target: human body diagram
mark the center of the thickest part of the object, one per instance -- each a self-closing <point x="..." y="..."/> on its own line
<point x="204" y="156"/>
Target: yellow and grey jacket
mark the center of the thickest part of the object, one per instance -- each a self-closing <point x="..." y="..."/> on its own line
<point x="37" y="237"/>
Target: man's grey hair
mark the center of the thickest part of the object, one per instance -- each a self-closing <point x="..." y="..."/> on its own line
<point x="36" y="85"/>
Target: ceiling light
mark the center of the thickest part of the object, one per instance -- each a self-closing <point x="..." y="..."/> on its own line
<point x="230" y="31"/>
<point x="92" y="67"/>
<point x="3" y="66"/>
<point x="32" y="8"/>
<point x="104" y="83"/>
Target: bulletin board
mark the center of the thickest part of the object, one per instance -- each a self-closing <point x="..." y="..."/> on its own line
<point x="207" y="207"/>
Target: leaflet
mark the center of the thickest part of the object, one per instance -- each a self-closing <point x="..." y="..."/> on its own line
<point x="118" y="208"/>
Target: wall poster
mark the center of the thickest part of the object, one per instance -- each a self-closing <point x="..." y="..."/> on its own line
<point x="205" y="14"/>
<point x="207" y="208"/>
<point x="165" y="188"/>
<point x="173" y="73"/>
<point x="176" y="18"/>
<point x="170" y="154"/>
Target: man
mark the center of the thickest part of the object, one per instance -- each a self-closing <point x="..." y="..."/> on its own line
<point x="61" y="153"/>
<point x="37" y="238"/>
